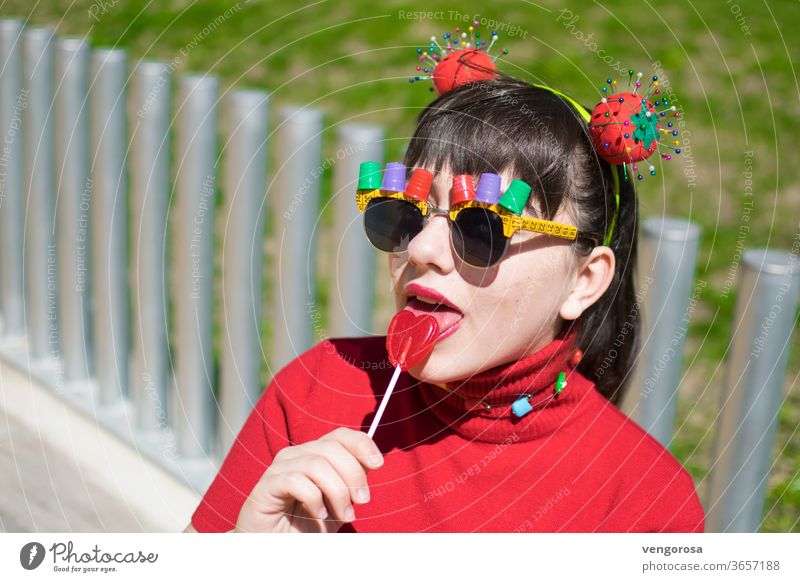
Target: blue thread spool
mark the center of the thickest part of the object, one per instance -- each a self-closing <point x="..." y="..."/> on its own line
<point x="522" y="406"/>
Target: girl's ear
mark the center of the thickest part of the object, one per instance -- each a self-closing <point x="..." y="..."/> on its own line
<point x="594" y="275"/>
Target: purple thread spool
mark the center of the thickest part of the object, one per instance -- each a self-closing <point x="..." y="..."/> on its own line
<point x="488" y="190"/>
<point x="394" y="178"/>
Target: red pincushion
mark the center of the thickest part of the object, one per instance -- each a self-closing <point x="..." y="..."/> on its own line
<point x="609" y="140"/>
<point x="460" y="67"/>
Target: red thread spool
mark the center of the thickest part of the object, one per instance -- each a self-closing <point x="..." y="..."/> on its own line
<point x="419" y="185"/>
<point x="463" y="189"/>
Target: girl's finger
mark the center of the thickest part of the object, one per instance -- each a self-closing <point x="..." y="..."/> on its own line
<point x="360" y="445"/>
<point x="277" y="493"/>
<point x="348" y="467"/>
<point x="321" y="472"/>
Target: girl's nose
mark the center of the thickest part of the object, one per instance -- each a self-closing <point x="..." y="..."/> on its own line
<point x="431" y="247"/>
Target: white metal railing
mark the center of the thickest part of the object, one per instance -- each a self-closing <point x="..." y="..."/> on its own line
<point x="94" y="275"/>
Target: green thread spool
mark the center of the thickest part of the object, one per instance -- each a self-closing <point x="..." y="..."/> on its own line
<point x="369" y="176"/>
<point x="515" y="197"/>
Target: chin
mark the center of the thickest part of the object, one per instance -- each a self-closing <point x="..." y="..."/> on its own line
<point x="425" y="373"/>
<point x="438" y="368"/>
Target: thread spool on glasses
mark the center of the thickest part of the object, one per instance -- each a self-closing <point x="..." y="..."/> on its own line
<point x="482" y="221"/>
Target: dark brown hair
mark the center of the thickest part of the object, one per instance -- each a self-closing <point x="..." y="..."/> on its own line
<point x="506" y="124"/>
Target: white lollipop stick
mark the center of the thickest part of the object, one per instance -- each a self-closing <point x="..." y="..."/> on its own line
<point x="384" y="401"/>
<point x="402" y="362"/>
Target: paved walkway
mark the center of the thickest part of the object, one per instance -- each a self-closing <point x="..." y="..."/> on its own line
<point x="62" y="472"/>
<point x="41" y="490"/>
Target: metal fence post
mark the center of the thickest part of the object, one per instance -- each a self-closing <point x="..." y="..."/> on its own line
<point x="193" y="262"/>
<point x="109" y="222"/>
<point x="353" y="289"/>
<point x="242" y="231"/>
<point x="13" y="100"/>
<point x="295" y="191"/>
<point x="149" y="119"/>
<point x="766" y="313"/>
<point x="40" y="251"/>
<point x="667" y="258"/>
<point x="73" y="205"/>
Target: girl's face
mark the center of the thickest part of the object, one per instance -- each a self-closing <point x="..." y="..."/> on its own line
<point x="509" y="310"/>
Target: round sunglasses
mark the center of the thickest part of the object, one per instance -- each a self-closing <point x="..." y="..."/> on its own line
<point x="481" y="222"/>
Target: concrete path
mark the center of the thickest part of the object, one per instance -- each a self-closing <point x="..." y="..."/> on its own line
<point x="60" y="472"/>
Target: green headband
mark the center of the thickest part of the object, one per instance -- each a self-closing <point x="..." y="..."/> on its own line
<point x="587" y="117"/>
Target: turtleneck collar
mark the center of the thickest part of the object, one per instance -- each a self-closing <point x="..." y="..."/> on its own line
<point x="461" y="404"/>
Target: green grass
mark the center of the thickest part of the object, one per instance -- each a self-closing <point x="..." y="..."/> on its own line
<point x="351" y="59"/>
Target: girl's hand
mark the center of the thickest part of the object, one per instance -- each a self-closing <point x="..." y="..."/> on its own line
<point x="311" y="487"/>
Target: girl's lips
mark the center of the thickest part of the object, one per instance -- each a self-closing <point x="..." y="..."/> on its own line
<point x="415" y="289"/>
<point x="448" y="319"/>
<point x="449" y="331"/>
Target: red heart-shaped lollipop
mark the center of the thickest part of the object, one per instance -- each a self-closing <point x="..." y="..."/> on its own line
<point x="410" y="338"/>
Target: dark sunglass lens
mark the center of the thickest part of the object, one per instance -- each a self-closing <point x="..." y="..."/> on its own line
<point x="478" y="237"/>
<point x="391" y="223"/>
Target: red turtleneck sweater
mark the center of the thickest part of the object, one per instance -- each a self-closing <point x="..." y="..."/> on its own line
<point x="572" y="464"/>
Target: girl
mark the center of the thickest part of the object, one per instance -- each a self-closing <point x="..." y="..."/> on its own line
<point x="451" y="453"/>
